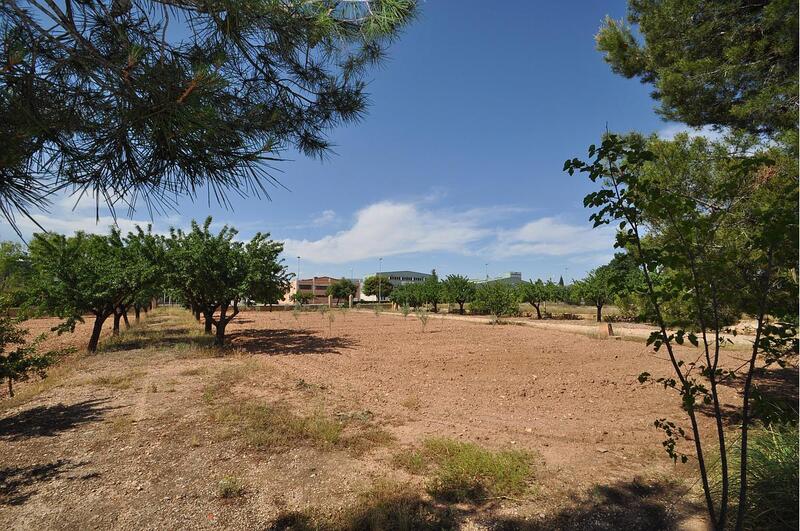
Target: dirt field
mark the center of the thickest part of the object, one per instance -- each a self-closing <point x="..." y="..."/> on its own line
<point x="141" y="434"/>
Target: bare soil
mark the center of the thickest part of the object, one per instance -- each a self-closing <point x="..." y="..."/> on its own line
<point x="138" y="436"/>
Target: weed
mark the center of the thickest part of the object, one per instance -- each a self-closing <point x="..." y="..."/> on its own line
<point x="230" y="487"/>
<point x="466" y="472"/>
<point x="412" y="461"/>
<point x="405" y="309"/>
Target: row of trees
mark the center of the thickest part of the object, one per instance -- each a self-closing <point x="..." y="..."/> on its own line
<point x="107" y="276"/>
<point x="497" y="298"/>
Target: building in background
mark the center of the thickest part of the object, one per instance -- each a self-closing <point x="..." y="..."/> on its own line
<point x="318" y="287"/>
<point x="511" y="278"/>
<point x="398" y="278"/>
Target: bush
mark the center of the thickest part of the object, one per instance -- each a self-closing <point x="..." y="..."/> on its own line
<point x="495" y="298"/>
<point x="772" y="465"/>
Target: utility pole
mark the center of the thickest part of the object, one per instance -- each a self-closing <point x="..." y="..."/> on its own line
<point x="297" y="283"/>
<point x="487" y="270"/>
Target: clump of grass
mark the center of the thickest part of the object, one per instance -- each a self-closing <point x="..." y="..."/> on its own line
<point x="197" y="371"/>
<point x="230" y="487"/>
<point x="463" y="471"/>
<point x="224" y="381"/>
<point x="275" y="427"/>
<point x="412" y="402"/>
<point x="121" y="423"/>
<point x="118" y="381"/>
<point x="772" y="478"/>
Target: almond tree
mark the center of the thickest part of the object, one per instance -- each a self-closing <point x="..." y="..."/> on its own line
<point x="76" y="275"/>
<point x="458" y="289"/>
<point x="215" y="272"/>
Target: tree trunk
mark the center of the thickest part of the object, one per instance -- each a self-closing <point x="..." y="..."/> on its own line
<point x="208" y="321"/>
<point x="10" y="387"/>
<point x="117" y="317"/>
<point x="219" y="339"/>
<point x="137" y="311"/>
<point x="435" y="307"/>
<point x="96" y="330"/>
<point x="196" y="312"/>
<point x="461" y="308"/>
<point x="125" y="317"/>
<point x="538" y="311"/>
<point x="599" y="312"/>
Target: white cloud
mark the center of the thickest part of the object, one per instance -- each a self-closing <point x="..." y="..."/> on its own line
<point x="392" y="228"/>
<point x="388" y="228"/>
<point x="551" y="237"/>
<point x="672" y="130"/>
<point x="326" y="217"/>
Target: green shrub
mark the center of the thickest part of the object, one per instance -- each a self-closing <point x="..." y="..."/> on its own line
<point x="495" y="298"/>
<point x="772" y="466"/>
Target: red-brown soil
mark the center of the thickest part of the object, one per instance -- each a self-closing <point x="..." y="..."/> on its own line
<point x="126" y="438"/>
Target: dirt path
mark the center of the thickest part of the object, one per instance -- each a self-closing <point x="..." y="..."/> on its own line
<point x="140" y="435"/>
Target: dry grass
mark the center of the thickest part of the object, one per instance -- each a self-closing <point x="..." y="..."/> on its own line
<point x="386" y="505"/>
<point x="230" y="487"/>
<point x="118" y="381"/>
<point x="413" y="402"/>
<point x="273" y="426"/>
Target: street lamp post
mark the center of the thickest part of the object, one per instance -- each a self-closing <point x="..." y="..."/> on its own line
<point x="380" y="280"/>
<point x="297" y="289"/>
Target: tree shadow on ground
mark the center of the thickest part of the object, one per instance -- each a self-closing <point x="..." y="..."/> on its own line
<point x="774" y="397"/>
<point x="156" y="338"/>
<point x="632" y="506"/>
<point x="48" y="421"/>
<point x="276" y="342"/>
<point x="17" y="484"/>
<point x="626" y="505"/>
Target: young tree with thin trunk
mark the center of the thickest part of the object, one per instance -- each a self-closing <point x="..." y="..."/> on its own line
<point x="19" y="359"/>
<point x="596" y="289"/>
<point x="718" y="223"/>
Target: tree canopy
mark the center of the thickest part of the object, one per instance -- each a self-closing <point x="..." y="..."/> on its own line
<point x="730" y="63"/>
<point x="342" y="289"/>
<point x="458" y="289"/>
<point x="378" y="284"/>
<point x="149" y="99"/>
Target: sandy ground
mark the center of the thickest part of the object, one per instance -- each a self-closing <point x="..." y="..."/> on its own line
<point x="126" y="438"/>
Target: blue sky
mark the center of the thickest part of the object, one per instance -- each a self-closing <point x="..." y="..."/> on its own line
<point x="458" y="163"/>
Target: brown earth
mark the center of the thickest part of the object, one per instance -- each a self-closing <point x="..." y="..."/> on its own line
<point x="139" y="435"/>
